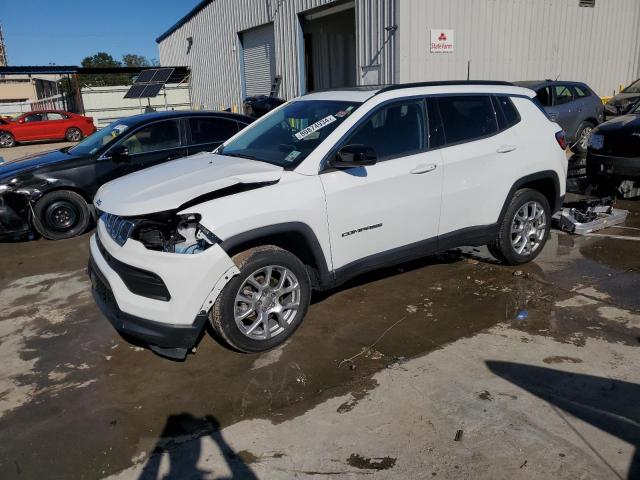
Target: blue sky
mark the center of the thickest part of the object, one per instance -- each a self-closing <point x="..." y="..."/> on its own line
<point x="39" y="32"/>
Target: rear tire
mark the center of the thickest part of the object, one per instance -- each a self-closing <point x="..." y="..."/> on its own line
<point x="585" y="130"/>
<point x="263" y="306"/>
<point x="7" y="140"/>
<point x="524" y="229"/>
<point x="61" y="214"/>
<point x="73" y="134"/>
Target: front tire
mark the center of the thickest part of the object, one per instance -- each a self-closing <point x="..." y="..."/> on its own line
<point x="263" y="306"/>
<point x="73" y="134"/>
<point x="524" y="229"/>
<point x="60" y="215"/>
<point x="7" y="140"/>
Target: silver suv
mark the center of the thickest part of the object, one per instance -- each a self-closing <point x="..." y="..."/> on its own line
<point x="572" y="105"/>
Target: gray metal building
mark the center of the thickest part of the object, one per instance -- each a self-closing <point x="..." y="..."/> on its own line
<point x="236" y="48"/>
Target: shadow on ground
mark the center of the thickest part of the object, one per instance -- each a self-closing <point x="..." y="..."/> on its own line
<point x="610" y="405"/>
<point x="183" y="458"/>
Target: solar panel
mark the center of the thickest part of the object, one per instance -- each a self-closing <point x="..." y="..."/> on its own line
<point x="151" y="90"/>
<point x="162" y="75"/>
<point x="146" y="75"/>
<point x="135" y="91"/>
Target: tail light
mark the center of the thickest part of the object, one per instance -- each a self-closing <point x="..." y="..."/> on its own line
<point x="89" y="119"/>
<point x="562" y="141"/>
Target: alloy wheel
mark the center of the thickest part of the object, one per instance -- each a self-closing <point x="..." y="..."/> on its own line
<point x="74" y="135"/>
<point x="528" y="228"/>
<point x="6" y="140"/>
<point x="585" y="135"/>
<point x="267" y="302"/>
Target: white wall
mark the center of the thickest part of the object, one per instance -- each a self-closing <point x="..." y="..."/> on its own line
<point x="106" y="104"/>
<point x="523" y="40"/>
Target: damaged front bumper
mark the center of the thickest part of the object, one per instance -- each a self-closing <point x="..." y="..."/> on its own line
<point x="14" y="216"/>
<point x="168" y="340"/>
<point x="127" y="281"/>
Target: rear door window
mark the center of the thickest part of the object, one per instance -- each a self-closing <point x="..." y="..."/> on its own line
<point x="396" y="130"/>
<point x="466" y="118"/>
<point x="55" y="116"/>
<point x="157" y="136"/>
<point x="562" y="94"/>
<point x="211" y="130"/>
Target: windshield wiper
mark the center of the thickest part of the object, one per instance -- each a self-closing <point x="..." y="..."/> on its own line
<point x="241" y="155"/>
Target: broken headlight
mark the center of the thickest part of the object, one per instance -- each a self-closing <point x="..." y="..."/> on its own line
<point x="180" y="234"/>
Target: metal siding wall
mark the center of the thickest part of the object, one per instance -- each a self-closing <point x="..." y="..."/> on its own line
<point x="523" y="40"/>
<point x="375" y="44"/>
<point x="214" y="57"/>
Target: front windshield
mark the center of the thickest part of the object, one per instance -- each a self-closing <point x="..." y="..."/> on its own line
<point x="99" y="139"/>
<point x="633" y="88"/>
<point x="287" y="136"/>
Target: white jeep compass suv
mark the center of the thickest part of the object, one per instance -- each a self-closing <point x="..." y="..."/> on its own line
<point x="326" y="187"/>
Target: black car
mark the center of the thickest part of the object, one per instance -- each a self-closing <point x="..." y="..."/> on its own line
<point x="613" y="159"/>
<point x="624" y="101"/>
<point x="53" y="192"/>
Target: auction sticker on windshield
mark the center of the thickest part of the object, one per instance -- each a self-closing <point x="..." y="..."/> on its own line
<point x="305" y="132"/>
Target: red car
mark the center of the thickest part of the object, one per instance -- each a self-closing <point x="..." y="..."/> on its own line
<point x="45" y="125"/>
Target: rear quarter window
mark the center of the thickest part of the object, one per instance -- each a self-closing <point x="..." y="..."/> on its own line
<point x="467" y="117"/>
<point x="209" y="130"/>
<point x="506" y="111"/>
<point x="581" y="91"/>
<point x="543" y="96"/>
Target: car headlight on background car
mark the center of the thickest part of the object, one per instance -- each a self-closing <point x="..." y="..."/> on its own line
<point x="596" y="142"/>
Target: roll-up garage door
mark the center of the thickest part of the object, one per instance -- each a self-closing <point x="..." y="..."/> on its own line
<point x="259" y="59"/>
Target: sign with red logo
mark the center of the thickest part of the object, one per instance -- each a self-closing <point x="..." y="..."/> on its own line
<point x="441" y="41"/>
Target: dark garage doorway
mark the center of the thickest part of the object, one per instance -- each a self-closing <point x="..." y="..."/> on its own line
<point x="330" y="47"/>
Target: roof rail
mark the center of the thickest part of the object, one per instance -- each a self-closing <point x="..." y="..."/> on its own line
<point x="399" y="86"/>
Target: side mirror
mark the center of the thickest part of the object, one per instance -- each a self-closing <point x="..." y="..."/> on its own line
<point x="351" y="156"/>
<point x="120" y="154"/>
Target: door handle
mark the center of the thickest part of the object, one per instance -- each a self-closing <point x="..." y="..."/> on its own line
<point x="424" y="168"/>
<point x="506" y="148"/>
<point x="174" y="156"/>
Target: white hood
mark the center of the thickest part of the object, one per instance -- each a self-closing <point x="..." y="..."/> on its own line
<point x="170" y="185"/>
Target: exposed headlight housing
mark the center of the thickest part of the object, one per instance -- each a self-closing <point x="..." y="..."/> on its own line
<point x="161" y="232"/>
<point x="190" y="236"/>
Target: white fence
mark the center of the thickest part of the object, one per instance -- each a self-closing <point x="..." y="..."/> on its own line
<point x="106" y="104"/>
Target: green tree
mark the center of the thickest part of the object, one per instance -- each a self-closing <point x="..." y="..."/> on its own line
<point x="133" y="60"/>
<point x="105" y="60"/>
<point x="100" y="60"/>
